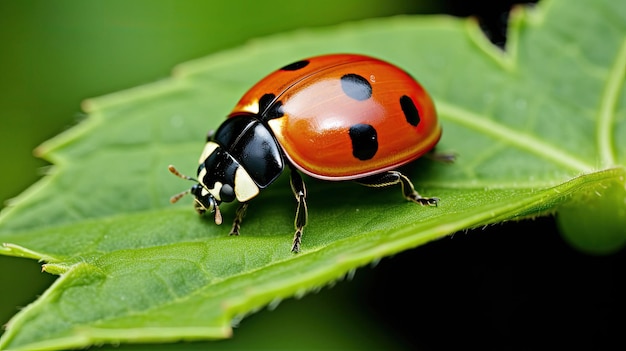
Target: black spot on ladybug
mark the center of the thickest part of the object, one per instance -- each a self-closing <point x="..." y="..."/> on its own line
<point x="265" y="101"/>
<point x="269" y="108"/>
<point x="410" y="110"/>
<point x="364" y="141"/>
<point x="295" y="66"/>
<point x="356" y="87"/>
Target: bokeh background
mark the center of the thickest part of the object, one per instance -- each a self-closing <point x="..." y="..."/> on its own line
<point x="504" y="287"/>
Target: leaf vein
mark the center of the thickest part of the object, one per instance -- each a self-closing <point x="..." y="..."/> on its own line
<point x="608" y="104"/>
<point x="515" y="138"/>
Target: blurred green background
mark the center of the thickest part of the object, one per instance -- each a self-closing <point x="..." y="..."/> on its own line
<point x="494" y="288"/>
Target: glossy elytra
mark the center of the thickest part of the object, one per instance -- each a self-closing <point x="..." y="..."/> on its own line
<point x="333" y="117"/>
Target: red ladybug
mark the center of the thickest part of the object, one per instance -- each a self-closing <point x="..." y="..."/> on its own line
<point x="332" y="117"/>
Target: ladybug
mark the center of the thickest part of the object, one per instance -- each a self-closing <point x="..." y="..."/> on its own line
<point x="333" y="117"/>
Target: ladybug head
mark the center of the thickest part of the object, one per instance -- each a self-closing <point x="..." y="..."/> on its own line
<point x="204" y="201"/>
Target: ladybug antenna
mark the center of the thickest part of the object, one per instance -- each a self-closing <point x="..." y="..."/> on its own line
<point x="180" y="175"/>
<point x="174" y="199"/>
<point x="175" y="172"/>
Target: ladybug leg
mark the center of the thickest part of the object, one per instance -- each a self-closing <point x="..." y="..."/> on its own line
<point x="299" y="191"/>
<point x="239" y="214"/>
<point x="393" y="178"/>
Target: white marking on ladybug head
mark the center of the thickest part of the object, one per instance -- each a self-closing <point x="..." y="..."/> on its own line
<point x="245" y="187"/>
<point x="201" y="176"/>
<point x="215" y="191"/>
<point x="209" y="148"/>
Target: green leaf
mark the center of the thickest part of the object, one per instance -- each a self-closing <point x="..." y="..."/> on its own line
<point x="539" y="129"/>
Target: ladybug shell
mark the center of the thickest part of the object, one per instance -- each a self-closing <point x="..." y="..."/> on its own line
<point x="340" y="117"/>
